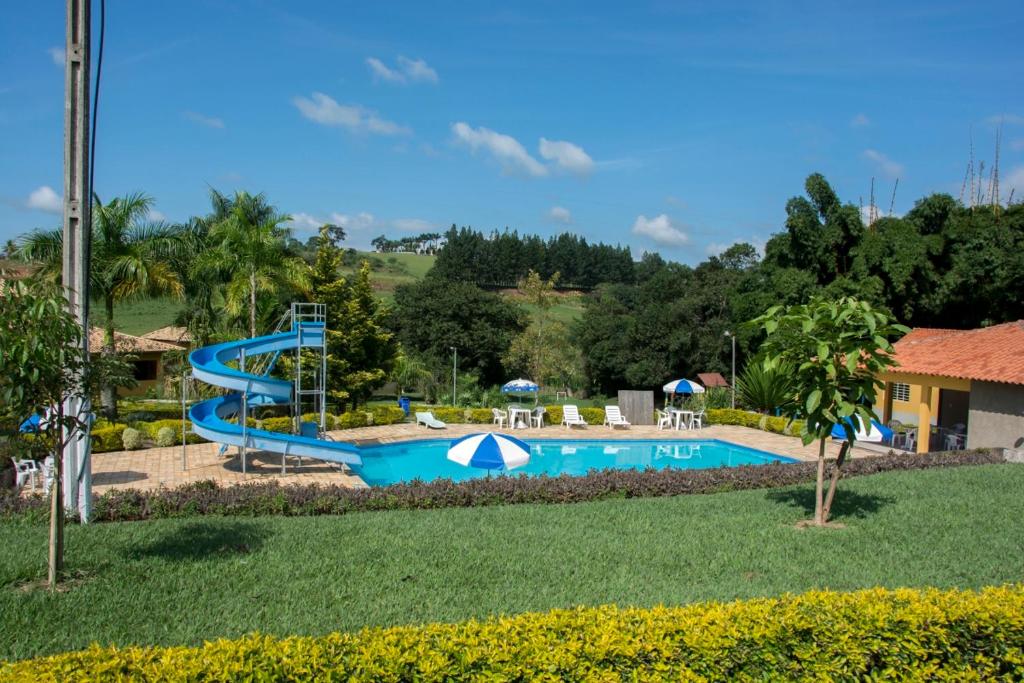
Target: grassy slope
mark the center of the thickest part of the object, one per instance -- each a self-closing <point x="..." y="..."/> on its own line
<point x="182" y="581"/>
<point x="145" y="316"/>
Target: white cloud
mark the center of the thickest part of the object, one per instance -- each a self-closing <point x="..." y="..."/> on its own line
<point x="512" y="156"/>
<point x="45" y="199"/>
<point x="560" y="214"/>
<point x="382" y="72"/>
<point x="417" y="70"/>
<point x="324" y="110"/>
<point x="359" y="221"/>
<point x="860" y="121"/>
<point x="304" y="221"/>
<point x="156" y="216"/>
<point x="408" y="71"/>
<point x="567" y="156"/>
<point x="885" y="165"/>
<point x="412" y="224"/>
<point x="661" y="229"/>
<point x="203" y="120"/>
<point x="57" y="54"/>
<point x="1014" y="180"/>
<point x="717" y="248"/>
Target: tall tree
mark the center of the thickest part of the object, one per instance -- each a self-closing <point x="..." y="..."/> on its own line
<point x="249" y="246"/>
<point x="131" y="259"/>
<point x="361" y="352"/>
<point x="433" y="316"/>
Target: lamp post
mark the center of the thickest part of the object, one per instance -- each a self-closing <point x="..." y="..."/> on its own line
<point x="455" y="369"/>
<point x="733" y="338"/>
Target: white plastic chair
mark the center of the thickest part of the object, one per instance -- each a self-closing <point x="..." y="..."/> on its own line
<point x="697" y="420"/>
<point x="613" y="417"/>
<point x="664" y="419"/>
<point x="26" y="469"/>
<point x="571" y="416"/>
<point x="499" y="417"/>
<point x="537" y="416"/>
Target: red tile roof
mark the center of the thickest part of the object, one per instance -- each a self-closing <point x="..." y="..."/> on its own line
<point x="711" y="379"/>
<point x="127" y="343"/>
<point x="993" y="354"/>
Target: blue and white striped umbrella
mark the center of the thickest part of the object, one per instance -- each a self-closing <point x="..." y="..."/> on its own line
<point x="519" y="386"/>
<point x="683" y="386"/>
<point x="489" y="451"/>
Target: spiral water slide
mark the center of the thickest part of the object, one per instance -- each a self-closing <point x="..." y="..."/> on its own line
<point x="216" y="419"/>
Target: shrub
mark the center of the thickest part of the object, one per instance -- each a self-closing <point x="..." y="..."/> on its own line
<point x="872" y="634"/>
<point x="387" y="415"/>
<point x="152" y="430"/>
<point x="107" y="439"/>
<point x="131" y="439"/>
<point x="277" y="424"/>
<point x="554" y="415"/>
<point x="480" y="416"/>
<point x="165" y="437"/>
<point x="592" y="416"/>
<point x="294" y="500"/>
<point x="353" y="419"/>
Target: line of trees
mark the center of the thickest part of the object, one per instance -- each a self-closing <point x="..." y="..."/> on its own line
<point x="504" y="258"/>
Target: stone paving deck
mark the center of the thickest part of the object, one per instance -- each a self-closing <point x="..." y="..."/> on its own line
<point x="157" y="467"/>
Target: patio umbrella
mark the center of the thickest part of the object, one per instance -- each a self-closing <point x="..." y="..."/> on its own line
<point x="681" y="386"/>
<point x="489" y="451"/>
<point x="521" y="386"/>
<point x="876" y="433"/>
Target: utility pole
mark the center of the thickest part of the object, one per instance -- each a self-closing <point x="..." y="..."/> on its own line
<point x="455" y="369"/>
<point x="77" y="229"/>
<point x="733" y="338"/>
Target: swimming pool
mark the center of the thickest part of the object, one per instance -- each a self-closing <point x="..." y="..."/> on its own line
<point x="426" y="460"/>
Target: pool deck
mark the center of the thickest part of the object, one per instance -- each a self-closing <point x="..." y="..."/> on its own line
<point x="162" y="467"/>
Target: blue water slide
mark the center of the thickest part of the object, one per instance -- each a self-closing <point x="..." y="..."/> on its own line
<point x="210" y="418"/>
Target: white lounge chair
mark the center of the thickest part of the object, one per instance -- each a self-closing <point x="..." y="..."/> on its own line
<point x="613" y="417"/>
<point x="537" y="416"/>
<point x="500" y="417"/>
<point x="664" y="419"/>
<point x="26" y="469"/>
<point x="427" y="419"/>
<point x="571" y="417"/>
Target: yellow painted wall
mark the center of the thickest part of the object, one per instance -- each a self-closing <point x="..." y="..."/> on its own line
<point x="906" y="411"/>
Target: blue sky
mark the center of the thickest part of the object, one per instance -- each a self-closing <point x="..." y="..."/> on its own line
<point x="675" y="127"/>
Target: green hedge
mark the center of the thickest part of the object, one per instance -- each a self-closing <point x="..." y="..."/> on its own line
<point x="353" y="419"/>
<point x="107" y="439"/>
<point x="592" y="416"/>
<point x="387" y="415"/>
<point x="152" y="428"/>
<point x="743" y="418"/>
<point x="866" y="635"/>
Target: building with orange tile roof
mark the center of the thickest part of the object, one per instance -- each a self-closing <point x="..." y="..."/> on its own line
<point x="966" y="385"/>
<point x="147" y="358"/>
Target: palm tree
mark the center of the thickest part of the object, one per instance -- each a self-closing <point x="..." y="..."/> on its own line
<point x="131" y="258"/>
<point x="249" y="248"/>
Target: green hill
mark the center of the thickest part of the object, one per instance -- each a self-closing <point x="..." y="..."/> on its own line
<point x="387" y="272"/>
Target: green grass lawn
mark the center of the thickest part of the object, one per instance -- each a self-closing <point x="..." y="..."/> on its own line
<point x="139" y="317"/>
<point x="183" y="581"/>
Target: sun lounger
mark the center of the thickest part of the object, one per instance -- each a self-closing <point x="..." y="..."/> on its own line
<point x="613" y="417"/>
<point x="571" y="417"/>
<point x="427" y="419"/>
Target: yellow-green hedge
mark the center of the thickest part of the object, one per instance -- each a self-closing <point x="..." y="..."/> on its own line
<point x="872" y="634"/>
<point x="107" y="439"/>
<point x="743" y="418"/>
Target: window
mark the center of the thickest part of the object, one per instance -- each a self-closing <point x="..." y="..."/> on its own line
<point x="144" y="370"/>
<point x="900" y="392"/>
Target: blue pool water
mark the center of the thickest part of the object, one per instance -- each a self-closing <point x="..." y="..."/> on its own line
<point x="427" y="460"/>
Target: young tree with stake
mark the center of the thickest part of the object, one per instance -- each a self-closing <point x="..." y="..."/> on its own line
<point x="838" y="349"/>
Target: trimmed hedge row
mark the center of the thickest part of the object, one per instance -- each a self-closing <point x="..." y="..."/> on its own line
<point x="552" y="416"/>
<point x="743" y="418"/>
<point x="271" y="498"/>
<point x="865" y="635"/>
